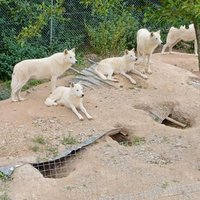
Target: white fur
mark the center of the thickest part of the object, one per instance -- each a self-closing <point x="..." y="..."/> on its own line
<point x="146" y="44"/>
<point x="71" y="97"/>
<point x="118" y="65"/>
<point x="44" y="68"/>
<point x="175" y="35"/>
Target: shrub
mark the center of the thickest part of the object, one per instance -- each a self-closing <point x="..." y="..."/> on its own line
<point x="114" y="33"/>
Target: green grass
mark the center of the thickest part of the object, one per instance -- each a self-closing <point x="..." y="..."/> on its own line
<point x="138" y="140"/>
<point x="4" y="197"/>
<point x="35" y="148"/>
<point x="5" y="89"/>
<point x="3" y="177"/>
<point x="69" y="140"/>
<point x="39" y="139"/>
<point x="32" y="83"/>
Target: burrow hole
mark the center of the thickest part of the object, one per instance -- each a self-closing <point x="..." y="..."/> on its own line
<point x="124" y="138"/>
<point x="61" y="167"/>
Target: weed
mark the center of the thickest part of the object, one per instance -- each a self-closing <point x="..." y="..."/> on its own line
<point x="52" y="151"/>
<point x="39" y="139"/>
<point x="35" y="148"/>
<point x="3" y="177"/>
<point x="4" y="197"/>
<point x="138" y="140"/>
<point x="69" y="140"/>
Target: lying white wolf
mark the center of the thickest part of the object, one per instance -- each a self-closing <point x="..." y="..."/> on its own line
<point x="118" y="65"/>
<point x="175" y="35"/>
<point x="71" y="97"/>
<point x="44" y="68"/>
<point x="146" y="44"/>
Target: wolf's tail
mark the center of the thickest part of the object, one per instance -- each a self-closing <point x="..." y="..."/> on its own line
<point x="102" y="76"/>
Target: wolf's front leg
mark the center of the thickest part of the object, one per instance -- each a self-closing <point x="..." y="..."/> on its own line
<point x="137" y="72"/>
<point x="129" y="77"/>
<point x="85" y="111"/>
<point x="148" y="67"/>
<point x="76" y="112"/>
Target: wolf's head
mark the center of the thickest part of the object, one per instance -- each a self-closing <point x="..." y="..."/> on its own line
<point x="130" y="55"/>
<point x="77" y="89"/>
<point x="155" y="37"/>
<point x="69" y="56"/>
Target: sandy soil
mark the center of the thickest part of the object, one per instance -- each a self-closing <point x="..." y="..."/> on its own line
<point x="164" y="166"/>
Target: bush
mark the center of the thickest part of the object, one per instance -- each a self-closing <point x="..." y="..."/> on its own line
<point x="115" y="32"/>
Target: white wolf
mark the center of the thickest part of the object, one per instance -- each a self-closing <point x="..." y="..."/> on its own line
<point x="175" y="35"/>
<point x="146" y="44"/>
<point x="44" y="68"/>
<point x="71" y="97"/>
<point x="118" y="65"/>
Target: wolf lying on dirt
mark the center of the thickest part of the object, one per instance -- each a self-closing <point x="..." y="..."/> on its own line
<point x="44" y="68"/>
<point x="71" y="97"/>
<point x="175" y="35"/>
<point x="118" y="65"/>
<point x="146" y="44"/>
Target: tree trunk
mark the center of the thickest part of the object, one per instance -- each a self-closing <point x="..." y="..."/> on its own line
<point x="197" y="31"/>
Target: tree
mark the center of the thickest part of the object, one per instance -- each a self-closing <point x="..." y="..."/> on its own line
<point x="185" y="11"/>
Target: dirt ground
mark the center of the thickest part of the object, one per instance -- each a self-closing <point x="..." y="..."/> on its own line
<point x="165" y="165"/>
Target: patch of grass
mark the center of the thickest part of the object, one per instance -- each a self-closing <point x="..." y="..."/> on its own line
<point x="52" y="151"/>
<point x="39" y="139"/>
<point x="35" y="148"/>
<point x="32" y="83"/>
<point x="69" y="140"/>
<point x="138" y="140"/>
<point x="3" y="177"/>
<point x="4" y="197"/>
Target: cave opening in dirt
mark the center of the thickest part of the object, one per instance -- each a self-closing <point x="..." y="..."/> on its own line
<point x="60" y="168"/>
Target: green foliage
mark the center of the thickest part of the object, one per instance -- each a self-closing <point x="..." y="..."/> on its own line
<point x="115" y="30"/>
<point x="46" y="11"/>
<point x="15" y="53"/>
<point x="4" y="90"/>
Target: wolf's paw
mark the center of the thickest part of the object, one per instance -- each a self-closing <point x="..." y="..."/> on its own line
<point x="81" y="118"/>
<point x="14" y="100"/>
<point x="149" y="71"/>
<point x="145" y="77"/>
<point x="133" y="82"/>
<point x="90" y="117"/>
<point x="22" y="99"/>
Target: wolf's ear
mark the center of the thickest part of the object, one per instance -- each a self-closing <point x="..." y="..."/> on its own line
<point x="158" y="31"/>
<point x="65" y="52"/>
<point x="71" y="84"/>
<point x="73" y="50"/>
<point x="152" y="34"/>
<point x="133" y="49"/>
<point x="126" y="52"/>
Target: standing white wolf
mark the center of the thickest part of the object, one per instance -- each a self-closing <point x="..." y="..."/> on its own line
<point x="71" y="97"/>
<point x="118" y="65"/>
<point x="44" y="68"/>
<point x="146" y="44"/>
<point x="175" y="35"/>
